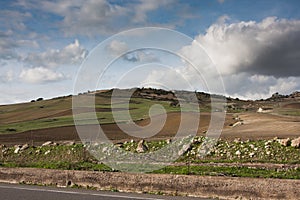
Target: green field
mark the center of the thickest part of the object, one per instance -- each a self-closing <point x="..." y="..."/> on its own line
<point x="58" y="112"/>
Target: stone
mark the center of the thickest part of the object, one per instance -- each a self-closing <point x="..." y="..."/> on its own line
<point x="238" y="153"/>
<point x="47" y="152"/>
<point x="24" y="147"/>
<point x="47" y="143"/>
<point x="17" y="149"/>
<point x="237" y="124"/>
<point x="296" y="142"/>
<point x="141" y="147"/>
<point x="237" y="140"/>
<point x="184" y="149"/>
<point x="284" y="142"/>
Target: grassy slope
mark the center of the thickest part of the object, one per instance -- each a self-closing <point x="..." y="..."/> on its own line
<point x="57" y="112"/>
<point x="77" y="157"/>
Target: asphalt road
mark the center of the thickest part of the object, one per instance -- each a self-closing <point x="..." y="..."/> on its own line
<point x="27" y="192"/>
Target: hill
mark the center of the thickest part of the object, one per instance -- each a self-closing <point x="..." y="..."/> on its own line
<point x="52" y="119"/>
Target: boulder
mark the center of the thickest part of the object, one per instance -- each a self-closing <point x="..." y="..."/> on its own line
<point x="141" y="147"/>
<point x="296" y="142"/>
<point x="237" y="124"/>
<point x="24" y="147"/>
<point x="17" y="149"/>
<point x="47" y="143"/>
<point x="284" y="142"/>
<point x="260" y="110"/>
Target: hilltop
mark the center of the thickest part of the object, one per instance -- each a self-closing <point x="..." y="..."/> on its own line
<point x="41" y="120"/>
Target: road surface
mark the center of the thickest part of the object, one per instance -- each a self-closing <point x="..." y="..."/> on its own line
<point x="28" y="192"/>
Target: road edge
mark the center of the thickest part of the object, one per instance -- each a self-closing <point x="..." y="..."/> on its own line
<point x="185" y="185"/>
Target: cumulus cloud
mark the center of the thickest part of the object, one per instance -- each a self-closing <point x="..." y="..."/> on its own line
<point x="255" y="59"/>
<point x="117" y="48"/>
<point x="71" y="54"/>
<point x="40" y="75"/>
<point x="269" y="47"/>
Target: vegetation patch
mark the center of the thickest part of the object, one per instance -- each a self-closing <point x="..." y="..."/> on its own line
<point x="234" y="153"/>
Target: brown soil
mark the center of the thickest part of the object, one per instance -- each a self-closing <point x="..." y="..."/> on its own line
<point x="264" y="126"/>
<point x="292" y="105"/>
<point x="255" y="126"/>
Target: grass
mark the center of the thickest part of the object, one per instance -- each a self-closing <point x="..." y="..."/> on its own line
<point x="31" y="116"/>
<point x="230" y="171"/>
<point x="76" y="157"/>
<point x="289" y="112"/>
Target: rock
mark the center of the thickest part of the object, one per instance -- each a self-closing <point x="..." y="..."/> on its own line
<point x="296" y="142"/>
<point x="237" y="140"/>
<point x="184" y="149"/>
<point x="237" y="124"/>
<point x="141" y="148"/>
<point x="260" y="110"/>
<point x="47" y="152"/>
<point x="168" y="141"/>
<point x="284" y="142"/>
<point x="238" y="153"/>
<point x="17" y="149"/>
<point x="24" y="147"/>
<point x="47" y="143"/>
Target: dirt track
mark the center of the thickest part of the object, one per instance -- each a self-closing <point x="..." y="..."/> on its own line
<point x="255" y="126"/>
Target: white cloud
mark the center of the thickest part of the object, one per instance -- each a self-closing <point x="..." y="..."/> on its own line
<point x="269" y="47"/>
<point x="40" y="75"/>
<point x="117" y="47"/>
<point x="7" y="46"/>
<point x="71" y="54"/>
<point x="96" y="17"/>
<point x="14" y="19"/>
<point x="256" y="59"/>
<point x="146" y="6"/>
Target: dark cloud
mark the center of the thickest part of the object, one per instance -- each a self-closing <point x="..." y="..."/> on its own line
<point x="270" y="47"/>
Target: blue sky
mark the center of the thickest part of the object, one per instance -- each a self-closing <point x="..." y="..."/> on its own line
<point x="253" y="44"/>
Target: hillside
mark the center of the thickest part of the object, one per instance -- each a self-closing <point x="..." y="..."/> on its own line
<point x="52" y="119"/>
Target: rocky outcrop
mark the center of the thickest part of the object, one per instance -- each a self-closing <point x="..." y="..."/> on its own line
<point x="295" y="142"/>
<point x="284" y="142"/>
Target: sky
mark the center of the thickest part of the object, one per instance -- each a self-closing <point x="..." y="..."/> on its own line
<point x="253" y="46"/>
